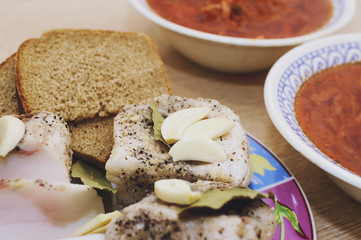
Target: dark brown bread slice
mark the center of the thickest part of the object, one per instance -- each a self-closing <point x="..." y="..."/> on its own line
<point x="83" y="74"/>
<point x="41" y="76"/>
<point x="9" y="104"/>
<point x="92" y="139"/>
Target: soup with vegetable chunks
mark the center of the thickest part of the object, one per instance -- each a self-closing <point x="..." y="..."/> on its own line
<point x="247" y="18"/>
<point x="328" y="109"/>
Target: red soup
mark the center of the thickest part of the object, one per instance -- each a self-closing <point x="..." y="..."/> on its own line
<point x="247" y="18"/>
<point x="328" y="109"/>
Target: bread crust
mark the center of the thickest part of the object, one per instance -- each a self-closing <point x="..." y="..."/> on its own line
<point x="7" y="60"/>
<point x="98" y="158"/>
<point x="103" y="107"/>
<point x="10" y="104"/>
<point x="18" y="83"/>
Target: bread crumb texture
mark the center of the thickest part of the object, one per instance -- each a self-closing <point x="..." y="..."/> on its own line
<point x="93" y="139"/>
<point x="8" y="97"/>
<point x="83" y="74"/>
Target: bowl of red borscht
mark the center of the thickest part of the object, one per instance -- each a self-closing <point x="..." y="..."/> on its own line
<point x="313" y="97"/>
<point x="243" y="35"/>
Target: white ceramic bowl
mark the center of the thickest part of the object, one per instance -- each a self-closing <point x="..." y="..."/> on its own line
<point x="281" y="86"/>
<point x="232" y="54"/>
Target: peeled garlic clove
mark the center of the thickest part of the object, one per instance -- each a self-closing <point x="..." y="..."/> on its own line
<point x="211" y="128"/>
<point x="12" y="131"/>
<point x="97" y="224"/>
<point x="175" y="191"/>
<point x="174" y="125"/>
<point x="197" y="149"/>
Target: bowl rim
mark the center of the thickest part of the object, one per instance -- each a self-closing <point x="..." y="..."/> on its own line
<point x="275" y="114"/>
<point x="350" y="7"/>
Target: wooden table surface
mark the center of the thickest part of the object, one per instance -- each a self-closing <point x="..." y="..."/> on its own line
<point x="336" y="215"/>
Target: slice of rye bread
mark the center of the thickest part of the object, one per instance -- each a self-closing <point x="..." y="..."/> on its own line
<point x="83" y="74"/>
<point x="9" y="104"/>
<point x="131" y="82"/>
<point x="92" y="140"/>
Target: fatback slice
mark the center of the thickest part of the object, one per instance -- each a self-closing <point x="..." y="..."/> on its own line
<point x="138" y="160"/>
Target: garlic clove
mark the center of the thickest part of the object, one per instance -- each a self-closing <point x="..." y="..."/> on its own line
<point x="175" y="191"/>
<point x="12" y="131"/>
<point x="197" y="149"/>
<point x="211" y="128"/>
<point x="175" y="124"/>
<point x="97" y="224"/>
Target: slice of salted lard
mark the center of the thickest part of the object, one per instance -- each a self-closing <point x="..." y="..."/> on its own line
<point x="138" y="160"/>
<point x="36" y="209"/>
<point x="44" y="151"/>
<point x="152" y="218"/>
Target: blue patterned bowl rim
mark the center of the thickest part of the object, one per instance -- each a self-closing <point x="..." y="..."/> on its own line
<point x="342" y="14"/>
<point x="285" y="78"/>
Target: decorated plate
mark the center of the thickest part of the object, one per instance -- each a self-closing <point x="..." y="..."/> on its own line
<point x="293" y="214"/>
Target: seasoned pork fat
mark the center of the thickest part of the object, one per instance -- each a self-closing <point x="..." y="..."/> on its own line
<point x="138" y="160"/>
<point x="43" y="153"/>
<point x="36" y="209"/>
<point x="152" y="218"/>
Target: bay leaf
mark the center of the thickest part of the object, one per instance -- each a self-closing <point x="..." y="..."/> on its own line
<point x="216" y="198"/>
<point x="91" y="176"/>
<point x="157" y="122"/>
